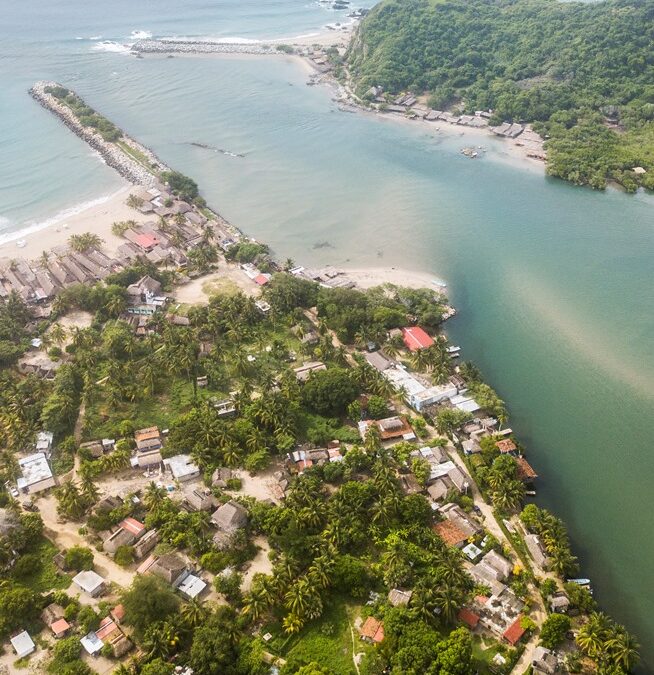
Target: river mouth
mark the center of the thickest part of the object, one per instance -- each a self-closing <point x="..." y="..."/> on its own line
<point x="539" y="270"/>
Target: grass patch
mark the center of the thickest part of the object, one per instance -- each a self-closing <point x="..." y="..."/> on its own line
<point x="135" y="154"/>
<point x="221" y="286"/>
<point x="102" y="422"/>
<point x="328" y="641"/>
<point x="43" y="575"/>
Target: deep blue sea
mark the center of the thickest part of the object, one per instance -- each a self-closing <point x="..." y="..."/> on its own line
<point x="553" y="283"/>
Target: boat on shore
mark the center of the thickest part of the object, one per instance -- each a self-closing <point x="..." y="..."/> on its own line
<point x="580" y="582"/>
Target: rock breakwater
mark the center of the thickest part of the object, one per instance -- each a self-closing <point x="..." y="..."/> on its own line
<point x="171" y="46"/>
<point x="113" y="155"/>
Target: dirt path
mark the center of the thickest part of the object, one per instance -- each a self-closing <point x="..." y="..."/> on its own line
<point x="65" y="535"/>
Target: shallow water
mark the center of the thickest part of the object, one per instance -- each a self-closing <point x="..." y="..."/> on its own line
<point x="553" y="283"/>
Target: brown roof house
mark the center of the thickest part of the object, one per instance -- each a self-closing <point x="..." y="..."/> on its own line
<point x="170" y="568"/>
<point x="228" y="518"/>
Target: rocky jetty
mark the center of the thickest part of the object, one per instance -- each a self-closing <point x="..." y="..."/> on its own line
<point x="171" y="46"/>
<point x="112" y="154"/>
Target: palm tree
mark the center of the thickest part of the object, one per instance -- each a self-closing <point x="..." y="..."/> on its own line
<point x="292" y="624"/>
<point x="509" y="495"/>
<point x="592" y="635"/>
<point x="623" y="648"/>
<point x="90" y="490"/>
<point x="255" y="604"/>
<point x="58" y="333"/>
<point x="194" y="613"/>
<point x="154" y="496"/>
<point x="448" y="599"/>
<point x="297" y="597"/>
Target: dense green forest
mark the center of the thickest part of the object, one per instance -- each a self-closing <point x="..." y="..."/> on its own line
<point x="582" y="72"/>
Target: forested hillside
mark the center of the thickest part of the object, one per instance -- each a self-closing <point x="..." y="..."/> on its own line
<point x="582" y="72"/>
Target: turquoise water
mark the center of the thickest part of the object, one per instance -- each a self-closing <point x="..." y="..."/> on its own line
<point x="553" y="283"/>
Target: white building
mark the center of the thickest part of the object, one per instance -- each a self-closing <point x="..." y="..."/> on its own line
<point x="36" y="474"/>
<point x="23" y="644"/>
<point x="182" y="468"/>
<point x="418" y="395"/>
<point x="191" y="586"/>
<point x="90" y="582"/>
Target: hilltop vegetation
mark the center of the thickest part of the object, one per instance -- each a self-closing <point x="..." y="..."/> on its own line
<point x="568" y="67"/>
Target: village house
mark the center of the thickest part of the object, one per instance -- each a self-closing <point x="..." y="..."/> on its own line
<point x="537" y="550"/>
<point x="501" y="611"/>
<point x="399" y="598"/>
<point x="90" y="582"/>
<point x="303" y="372"/>
<point x="59" y="628"/>
<point x="36" y="474"/>
<point x="372" y="630"/>
<point x="199" y="499"/>
<point x="221" y="475"/>
<point x="450" y="533"/>
<point x="182" y="468"/>
<point x="559" y="602"/>
<point x="418" y="394"/>
<point x="491" y="568"/>
<point x="145" y="544"/>
<point x="390" y="428"/>
<point x="513" y="634"/>
<point x="525" y="472"/>
<point x="129" y="530"/>
<point x="415" y="338"/>
<point x="148" y="439"/>
<point x="228" y="518"/>
<point x="544" y="662"/>
<point x="22" y="644"/>
<point x="109" y="633"/>
<point x="506" y="446"/>
<point x="39" y="364"/>
<point x="455" y="514"/>
<point x="468" y="617"/>
<point x="169" y="567"/>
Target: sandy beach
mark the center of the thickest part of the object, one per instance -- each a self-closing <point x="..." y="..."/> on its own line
<point x="367" y="277"/>
<point x="97" y="218"/>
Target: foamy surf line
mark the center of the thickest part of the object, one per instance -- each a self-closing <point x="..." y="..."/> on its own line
<point x="59" y="218"/>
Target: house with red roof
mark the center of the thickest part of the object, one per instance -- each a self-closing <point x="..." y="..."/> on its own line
<point x="468" y="617"/>
<point x="514" y="632"/>
<point x="415" y="338"/>
<point x="372" y="630"/>
<point x="146" y="240"/>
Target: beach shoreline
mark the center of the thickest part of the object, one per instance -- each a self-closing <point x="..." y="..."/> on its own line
<point x="513" y="151"/>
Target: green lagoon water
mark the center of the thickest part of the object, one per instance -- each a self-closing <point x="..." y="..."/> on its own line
<point x="553" y="283"/>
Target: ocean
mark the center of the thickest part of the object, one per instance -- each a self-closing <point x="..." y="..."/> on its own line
<point x="553" y="283"/>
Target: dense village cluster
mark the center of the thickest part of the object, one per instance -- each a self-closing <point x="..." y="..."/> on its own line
<point x="298" y="477"/>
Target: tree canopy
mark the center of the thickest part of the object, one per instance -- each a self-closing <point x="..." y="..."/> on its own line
<point x="568" y="66"/>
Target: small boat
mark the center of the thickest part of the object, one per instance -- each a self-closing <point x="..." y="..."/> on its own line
<point x="21" y="243"/>
<point x="453" y="350"/>
<point x="580" y="582"/>
<point x="530" y="493"/>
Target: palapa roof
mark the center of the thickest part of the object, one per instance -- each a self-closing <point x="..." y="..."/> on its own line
<point x="525" y="471"/>
<point x="506" y="445"/>
<point x="230" y="516"/>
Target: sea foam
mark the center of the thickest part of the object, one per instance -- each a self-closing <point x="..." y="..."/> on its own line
<point x="141" y="35"/>
<point x="110" y="46"/>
